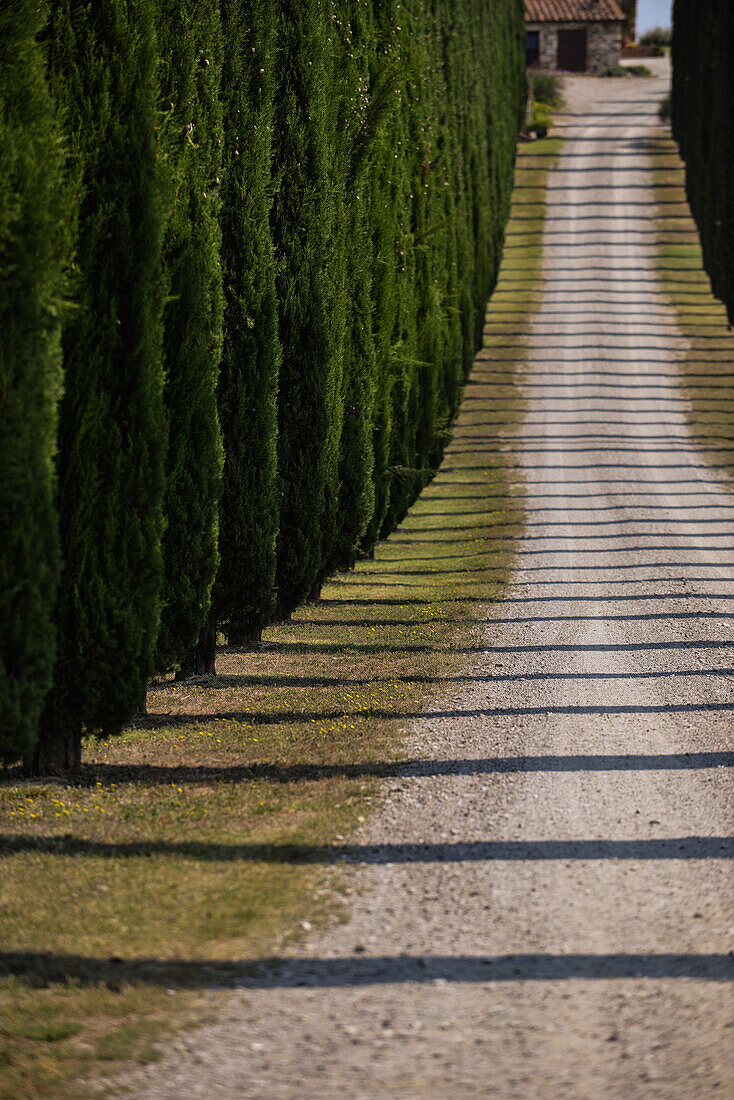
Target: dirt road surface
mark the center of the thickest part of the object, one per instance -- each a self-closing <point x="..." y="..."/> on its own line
<point x="544" y="903"/>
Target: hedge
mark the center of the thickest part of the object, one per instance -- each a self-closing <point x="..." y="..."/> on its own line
<point x="703" y="87"/>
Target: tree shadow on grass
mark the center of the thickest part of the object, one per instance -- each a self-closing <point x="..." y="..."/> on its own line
<point x="207" y="774"/>
<point x="295" y="854"/>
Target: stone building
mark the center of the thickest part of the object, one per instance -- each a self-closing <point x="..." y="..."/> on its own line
<point x="577" y="36"/>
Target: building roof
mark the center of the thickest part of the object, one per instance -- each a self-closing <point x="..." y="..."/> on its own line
<point x="572" y="11"/>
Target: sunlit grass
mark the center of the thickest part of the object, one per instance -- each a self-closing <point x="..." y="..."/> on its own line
<point x="159" y="872"/>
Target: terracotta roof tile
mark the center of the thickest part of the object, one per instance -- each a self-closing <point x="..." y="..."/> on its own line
<point x="572" y="11"/>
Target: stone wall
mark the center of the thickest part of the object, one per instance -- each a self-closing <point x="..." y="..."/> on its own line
<point x="603" y="43"/>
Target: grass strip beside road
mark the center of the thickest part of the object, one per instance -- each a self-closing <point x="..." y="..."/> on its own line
<point x="120" y="893"/>
<point x="706" y="371"/>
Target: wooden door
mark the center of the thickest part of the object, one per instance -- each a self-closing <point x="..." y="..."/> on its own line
<point x="532" y="49"/>
<point x="572" y="51"/>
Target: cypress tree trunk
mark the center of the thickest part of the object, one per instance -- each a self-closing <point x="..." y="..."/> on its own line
<point x="32" y="252"/>
<point x="58" y="752"/>
<point x="247" y="639"/>
<point x="112" y="427"/>
<point x="201" y="658"/>
<point x="190" y="49"/>
<point x="245" y="589"/>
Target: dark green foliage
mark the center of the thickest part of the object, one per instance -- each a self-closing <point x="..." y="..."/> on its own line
<point x="399" y="159"/>
<point x="356" y="458"/>
<point x="365" y="150"/>
<point x="359" y="118"/>
<point x="245" y="588"/>
<point x="395" y="133"/>
<point x="305" y="234"/>
<point x="703" y="88"/>
<point x="438" y="186"/>
<point x="614" y="70"/>
<point x="32" y="254"/>
<point x="190" y="51"/>
<point x="342" y="105"/>
<point x="112" y="424"/>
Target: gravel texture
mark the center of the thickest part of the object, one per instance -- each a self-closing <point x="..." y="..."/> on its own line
<point x="544" y="903"/>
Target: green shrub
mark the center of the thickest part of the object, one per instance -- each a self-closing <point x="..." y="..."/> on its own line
<point x="657" y="36"/>
<point x="541" y="116"/>
<point x="614" y="70"/>
<point x="546" y="88"/>
<point x="638" y="70"/>
<point x="33" y="247"/>
<point x="102" y="64"/>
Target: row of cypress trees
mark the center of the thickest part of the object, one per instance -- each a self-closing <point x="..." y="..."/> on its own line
<point x="703" y="90"/>
<point x="250" y="242"/>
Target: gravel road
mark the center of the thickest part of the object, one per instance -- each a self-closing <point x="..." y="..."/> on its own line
<point x="544" y="905"/>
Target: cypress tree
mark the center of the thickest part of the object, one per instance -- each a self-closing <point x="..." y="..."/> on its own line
<point x="362" y="112"/>
<point x="468" y="137"/>
<point x="305" y="229"/>
<point x="433" y="225"/>
<point x="385" y="65"/>
<point x="32" y="252"/>
<point x="449" y="194"/>
<point x="703" y="85"/>
<point x="385" y="318"/>
<point x="190" y="50"/>
<point x="112" y="426"/>
<point x="248" y="384"/>
<point x="356" y="457"/>
<point x="504" y="111"/>
<point x="401" y="169"/>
